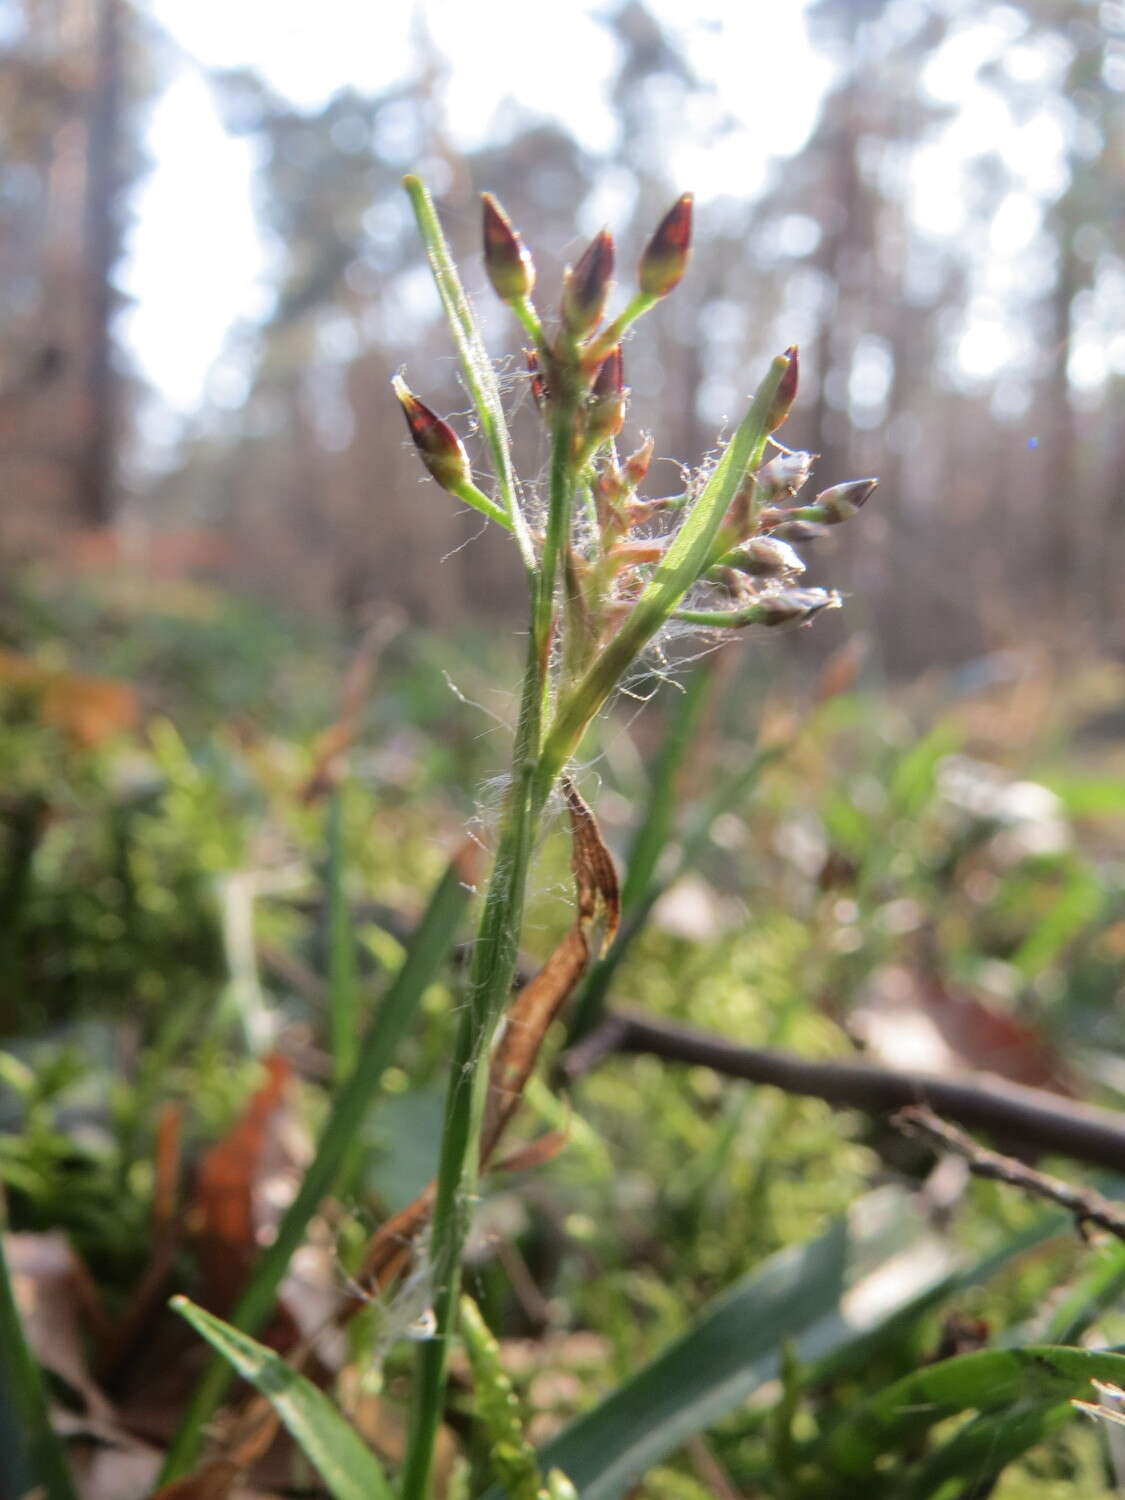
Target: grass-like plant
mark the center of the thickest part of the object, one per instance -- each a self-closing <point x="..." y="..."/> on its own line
<point x="607" y="572"/>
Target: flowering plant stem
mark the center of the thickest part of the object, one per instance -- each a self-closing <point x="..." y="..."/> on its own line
<point x="600" y="589"/>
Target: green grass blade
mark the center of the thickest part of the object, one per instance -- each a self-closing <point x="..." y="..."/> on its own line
<point x="824" y="1297"/>
<point x="978" y="1453"/>
<point x="480" y="378"/>
<point x="345" y="1463"/>
<point x="658" y="818"/>
<point x="342" y="992"/>
<point x="428" y="950"/>
<point x="1100" y="1287"/>
<point x="989" y="1381"/>
<point x="38" y="1457"/>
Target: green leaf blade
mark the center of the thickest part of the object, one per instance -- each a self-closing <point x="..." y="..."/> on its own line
<point x="829" y="1296"/>
<point x="345" y="1463"/>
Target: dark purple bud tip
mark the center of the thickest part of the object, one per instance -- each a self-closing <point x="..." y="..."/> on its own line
<point x="610" y="379"/>
<point x="666" y="255"/>
<point x="437" y="444"/>
<point x="507" y="262"/>
<point x="606" y="412"/>
<point x="586" y="287"/>
<point x="786" y="391"/>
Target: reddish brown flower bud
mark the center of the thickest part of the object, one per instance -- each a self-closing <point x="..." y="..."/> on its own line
<point x="786" y="392"/>
<point x="507" y="262"/>
<point x="610" y="379"/>
<point x="538" y="384"/>
<point x="666" y="255"/>
<point x="605" y="416"/>
<point x="586" y="286"/>
<point x="636" y="465"/>
<point x="438" y="445"/>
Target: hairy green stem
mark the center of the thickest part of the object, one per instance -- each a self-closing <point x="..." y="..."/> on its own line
<point x="605" y="341"/>
<point x="490" y="980"/>
<point x="557" y="538"/>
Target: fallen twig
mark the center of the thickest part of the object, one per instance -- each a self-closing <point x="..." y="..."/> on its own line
<point x="1087" y="1206"/>
<point x="1037" y="1119"/>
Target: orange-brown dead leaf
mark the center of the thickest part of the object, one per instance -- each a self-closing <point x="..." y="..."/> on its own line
<point x="841" y="671"/>
<point x="88" y="710"/>
<point x="214" y="1480"/>
<point x="223" y="1202"/>
<point x="538" y="1003"/>
<point x="535" y="1154"/>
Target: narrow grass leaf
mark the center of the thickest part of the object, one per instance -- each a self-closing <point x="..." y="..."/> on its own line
<point x="978" y="1453"/>
<point x="833" y="1292"/>
<point x="35" y="1454"/>
<point x="342" y="991"/>
<point x="428" y="950"/>
<point x="347" y="1466"/>
<point x="1101" y="1286"/>
<point x="988" y="1381"/>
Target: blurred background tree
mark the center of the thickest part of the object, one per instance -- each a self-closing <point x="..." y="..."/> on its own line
<point x="944" y="245"/>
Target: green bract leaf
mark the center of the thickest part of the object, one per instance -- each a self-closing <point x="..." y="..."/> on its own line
<point x="345" y="1463"/>
<point x="681" y="566"/>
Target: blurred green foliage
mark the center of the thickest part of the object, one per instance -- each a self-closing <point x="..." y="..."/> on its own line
<point x="980" y="834"/>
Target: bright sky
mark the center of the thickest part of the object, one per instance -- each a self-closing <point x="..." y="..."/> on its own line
<point x="196" y="263"/>
<point x="190" y="284"/>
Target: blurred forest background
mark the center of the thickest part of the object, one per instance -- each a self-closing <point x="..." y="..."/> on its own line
<point x="232" y="767"/>
<point x="946" y="248"/>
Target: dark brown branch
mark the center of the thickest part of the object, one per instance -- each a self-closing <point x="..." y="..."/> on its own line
<point x="1086" y="1206"/>
<point x="1034" y="1118"/>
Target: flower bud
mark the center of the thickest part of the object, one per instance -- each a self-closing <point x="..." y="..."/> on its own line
<point x="764" y="557"/>
<point x="507" y="262"/>
<point x="438" y="445"/>
<point x="780" y="523"/>
<point x="786" y="392"/>
<point x="636" y="465"/>
<point x="842" y="501"/>
<point x="605" y="415"/>
<point x="586" y="286"/>
<point x="783" y="476"/>
<point x="666" y="255"/>
<point x="791" y="605"/>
